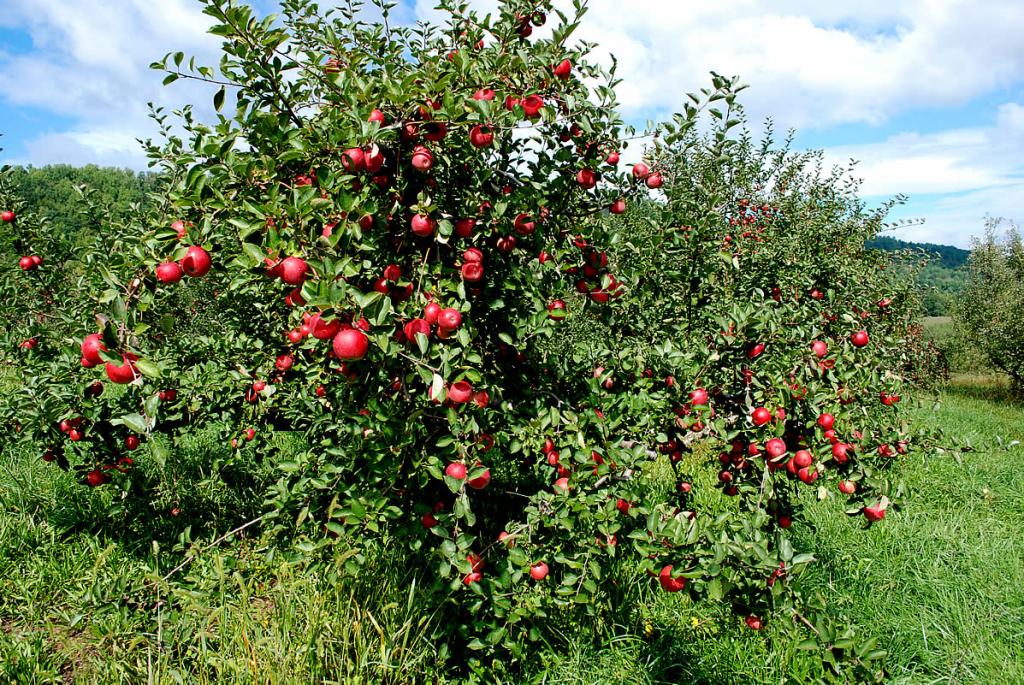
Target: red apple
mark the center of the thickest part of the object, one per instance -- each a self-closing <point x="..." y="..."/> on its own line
<point x="481" y="136"/>
<point x="562" y="485"/>
<point x="586" y="178"/>
<point x="558" y="310"/>
<point x="539" y="571"/>
<point x="293" y="270"/>
<point x="196" y="262"/>
<point x="464" y="227"/>
<point x="169" y="272"/>
<point x="353" y="160"/>
<point x="819" y="348"/>
<point x="124" y="372"/>
<point x="563" y="69"/>
<point x="699" y="397"/>
<point x="350" y="344"/>
<point x="860" y="338"/>
<point x="826" y="421"/>
<point x="775" y="447"/>
<point x="668" y="583"/>
<point x="460" y="392"/>
<point x="617" y="207"/>
<point x="654" y="181"/>
<point x="802" y="459"/>
<point x="761" y="416"/>
<point x="422" y="158"/>
<point x="422" y="225"/>
<point x="532" y="105"/>
<point x="7" y="216"/>
<point x="449" y="319"/>
<point x="753" y="622"/>
<point x="456" y="470"/>
<point x="481" y="481"/>
<point x="376" y="115"/>
<point x="641" y="171"/>
<point x="131" y="443"/>
<point x="847" y="487"/>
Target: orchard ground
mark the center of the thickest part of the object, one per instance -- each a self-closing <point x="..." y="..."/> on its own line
<point x="939" y="584"/>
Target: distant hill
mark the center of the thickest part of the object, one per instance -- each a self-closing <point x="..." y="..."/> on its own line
<point x="950" y="257"/>
<point x="942" y="279"/>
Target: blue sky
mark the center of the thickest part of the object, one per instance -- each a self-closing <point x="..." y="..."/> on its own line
<point x="928" y="95"/>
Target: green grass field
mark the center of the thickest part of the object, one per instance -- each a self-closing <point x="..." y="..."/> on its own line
<point x="940" y="584"/>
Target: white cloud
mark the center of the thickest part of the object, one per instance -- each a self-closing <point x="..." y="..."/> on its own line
<point x="812" y="64"/>
<point x="954" y="178"/>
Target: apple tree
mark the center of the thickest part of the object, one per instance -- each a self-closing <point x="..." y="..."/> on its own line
<point x="417" y="250"/>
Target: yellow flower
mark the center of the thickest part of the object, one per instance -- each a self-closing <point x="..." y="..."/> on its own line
<point x="694" y="621"/>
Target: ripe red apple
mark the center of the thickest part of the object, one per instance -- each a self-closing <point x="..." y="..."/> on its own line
<point x="422" y="158"/>
<point x="122" y="373"/>
<point x="532" y="105"/>
<point x="562" y="485"/>
<point x="196" y="262"/>
<point x="293" y="270"/>
<point x="847" y="487"/>
<point x="422" y="225"/>
<point x="668" y="583"/>
<point x="839" y="452"/>
<point x="819" y="348"/>
<point x="131" y="443"/>
<point x="472" y="271"/>
<point x="558" y="310"/>
<point x="456" y="470"/>
<point x="350" y="344"/>
<point x="617" y="207"/>
<point x="761" y="416"/>
<point x="524" y="224"/>
<point x="775" y="447"/>
<point x="753" y="622"/>
<point x="26" y="263"/>
<point x="539" y="571"/>
<point x="755" y="350"/>
<point x="699" y="397"/>
<point x="654" y="181"/>
<point x="7" y="216"/>
<point x="96" y="478"/>
<point x="449" y="319"/>
<point x="484" y="94"/>
<point x="481" y="136"/>
<point x="586" y="178"/>
<point x="432" y="312"/>
<point x="612" y="158"/>
<point x="563" y="69"/>
<point x="376" y="115"/>
<point x="876" y="512"/>
<point x="481" y="481"/>
<point x="860" y="338"/>
<point x="428" y="520"/>
<point x="464" y="227"/>
<point x="826" y="421"/>
<point x="353" y="160"/>
<point x="641" y="171"/>
<point x="802" y="459"/>
<point x="623" y="505"/>
<point x="169" y="272"/>
<point x="460" y="392"/>
<point x="414" y="327"/>
<point x="807" y="475"/>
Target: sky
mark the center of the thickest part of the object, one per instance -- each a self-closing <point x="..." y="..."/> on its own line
<point x="927" y="95"/>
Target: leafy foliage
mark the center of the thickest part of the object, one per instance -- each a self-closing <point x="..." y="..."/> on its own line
<point x="988" y="313"/>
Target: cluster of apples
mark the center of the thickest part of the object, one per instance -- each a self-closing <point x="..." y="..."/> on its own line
<point x="122" y="373"/>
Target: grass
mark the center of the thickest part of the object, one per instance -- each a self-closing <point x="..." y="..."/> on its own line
<point x="940" y="584"/>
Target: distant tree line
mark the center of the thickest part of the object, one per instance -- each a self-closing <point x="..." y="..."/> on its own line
<point x="56" y="191"/>
<point x="942" y="277"/>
